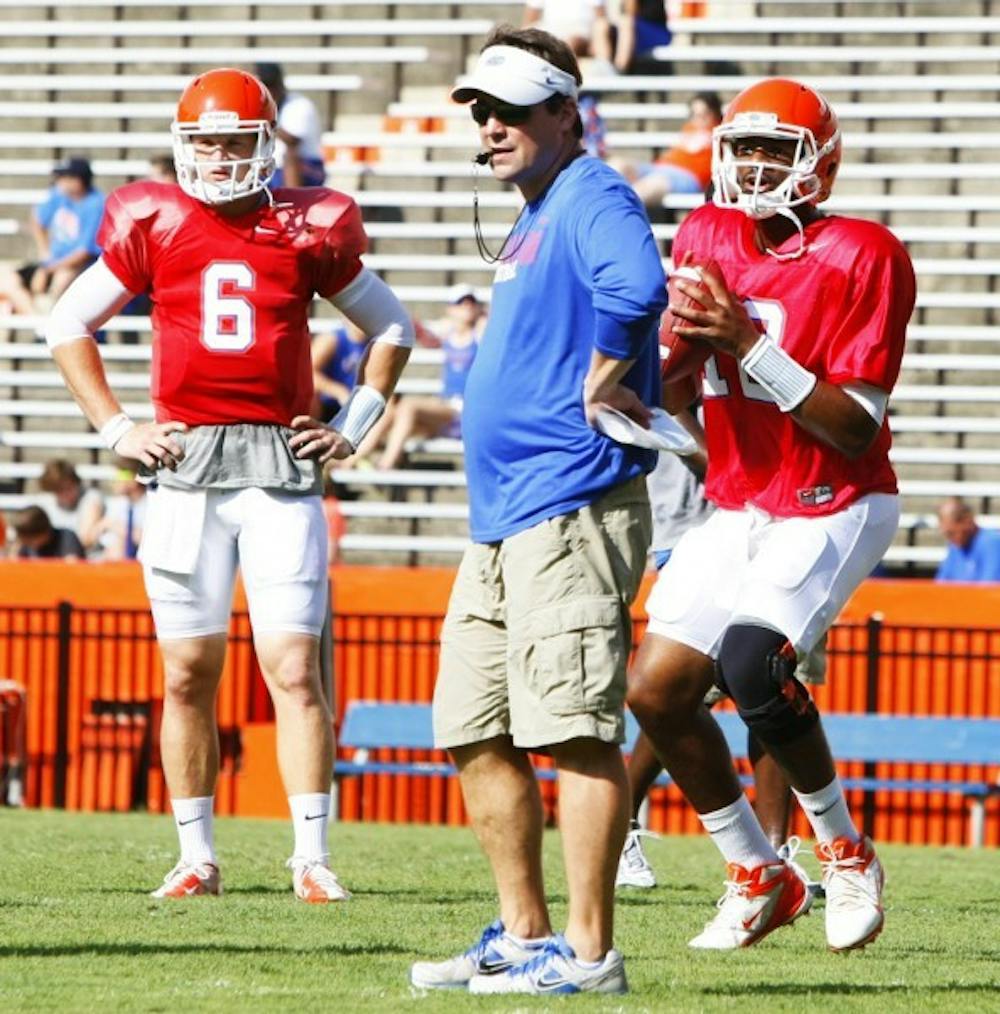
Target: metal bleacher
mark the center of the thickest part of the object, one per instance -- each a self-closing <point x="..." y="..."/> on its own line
<point x="916" y="84"/>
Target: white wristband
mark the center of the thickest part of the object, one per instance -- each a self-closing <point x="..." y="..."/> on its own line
<point x="785" y="380"/>
<point x="115" y="428"/>
<point x="359" y="415"/>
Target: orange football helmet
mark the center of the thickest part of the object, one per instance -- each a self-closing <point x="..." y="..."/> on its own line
<point x="224" y="101"/>
<point x="783" y="110"/>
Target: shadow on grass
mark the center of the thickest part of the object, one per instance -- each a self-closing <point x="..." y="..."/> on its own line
<point x="136" y="949"/>
<point x="843" y="988"/>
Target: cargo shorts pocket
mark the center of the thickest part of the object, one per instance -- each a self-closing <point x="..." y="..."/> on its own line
<point x="573" y="656"/>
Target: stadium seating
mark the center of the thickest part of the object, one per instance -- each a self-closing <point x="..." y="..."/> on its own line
<point x="918" y="95"/>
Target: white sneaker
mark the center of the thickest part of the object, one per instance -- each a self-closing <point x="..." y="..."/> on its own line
<point x="314" y="882"/>
<point x="557" y="970"/>
<point x="633" y="866"/>
<point x="853" y="878"/>
<point x="495" y="952"/>
<point x="186" y="880"/>
<point x="756" y="903"/>
<point x="787" y="853"/>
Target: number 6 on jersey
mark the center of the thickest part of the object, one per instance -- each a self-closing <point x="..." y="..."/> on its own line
<point x="227" y="319"/>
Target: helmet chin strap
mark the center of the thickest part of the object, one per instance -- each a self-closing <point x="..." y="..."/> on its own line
<point x="802" y="247"/>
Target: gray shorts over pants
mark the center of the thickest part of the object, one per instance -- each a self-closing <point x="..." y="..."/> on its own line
<point x="538" y="632"/>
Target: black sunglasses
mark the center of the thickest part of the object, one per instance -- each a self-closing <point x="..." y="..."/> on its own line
<point x="506" y="113"/>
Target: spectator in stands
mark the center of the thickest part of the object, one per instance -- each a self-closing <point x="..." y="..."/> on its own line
<point x="299" y="151"/>
<point x="582" y="24"/>
<point x="122" y="524"/>
<point x="3" y="535"/>
<point x="65" y="230"/>
<point x="37" y="539"/>
<point x="973" y="552"/>
<point x="162" y="169"/>
<point x="457" y="335"/>
<point x="641" y="28"/>
<point x="69" y="504"/>
<point x="537" y="634"/>
<point x="686" y="168"/>
<point x="336" y="353"/>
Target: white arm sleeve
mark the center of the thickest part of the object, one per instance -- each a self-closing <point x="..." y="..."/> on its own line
<point x="370" y="304"/>
<point x="872" y="399"/>
<point x="94" y="297"/>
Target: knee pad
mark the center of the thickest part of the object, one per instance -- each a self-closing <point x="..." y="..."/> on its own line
<point x="757" y="669"/>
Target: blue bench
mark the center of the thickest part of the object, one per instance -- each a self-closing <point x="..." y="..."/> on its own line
<point x="902" y="739"/>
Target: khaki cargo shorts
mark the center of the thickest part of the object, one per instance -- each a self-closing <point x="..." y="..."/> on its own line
<point x="538" y="632"/>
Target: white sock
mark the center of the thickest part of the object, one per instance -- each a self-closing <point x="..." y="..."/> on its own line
<point x="827" y="812"/>
<point x="738" y="835"/>
<point x="310" y="818"/>
<point x="193" y="818"/>
<point x="527" y="941"/>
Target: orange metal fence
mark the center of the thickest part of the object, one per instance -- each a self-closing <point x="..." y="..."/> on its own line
<point x="94" y="689"/>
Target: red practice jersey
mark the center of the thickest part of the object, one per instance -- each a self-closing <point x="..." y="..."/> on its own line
<point x="841" y="311"/>
<point x="231" y="295"/>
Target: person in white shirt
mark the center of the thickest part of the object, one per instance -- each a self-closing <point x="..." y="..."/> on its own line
<point x="298" y="151"/>
<point x="583" y="24"/>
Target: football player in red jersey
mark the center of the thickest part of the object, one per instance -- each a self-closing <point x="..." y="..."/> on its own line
<point x="808" y="319"/>
<point x="231" y="269"/>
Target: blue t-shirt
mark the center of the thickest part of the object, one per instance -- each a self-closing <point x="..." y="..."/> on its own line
<point x="342" y="366"/>
<point x="458" y="359"/>
<point x="583" y="272"/>
<point x="978" y="561"/>
<point x="71" y="224"/>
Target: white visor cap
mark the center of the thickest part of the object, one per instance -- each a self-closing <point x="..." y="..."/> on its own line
<point x="516" y="76"/>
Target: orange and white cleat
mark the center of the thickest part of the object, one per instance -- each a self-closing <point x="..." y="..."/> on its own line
<point x="756" y="902"/>
<point x="853" y="879"/>
<point x="186" y="880"/>
<point x="315" y="882"/>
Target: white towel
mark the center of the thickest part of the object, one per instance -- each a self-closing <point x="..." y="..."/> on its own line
<point x="171" y="537"/>
<point x="664" y="433"/>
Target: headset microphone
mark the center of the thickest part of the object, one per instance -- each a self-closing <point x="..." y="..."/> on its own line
<point x="483" y="158"/>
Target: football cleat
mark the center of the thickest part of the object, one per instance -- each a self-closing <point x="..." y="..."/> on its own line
<point x="756" y="902"/>
<point x="853" y="879"/>
<point x="633" y="866"/>
<point x="494" y="953"/>
<point x="314" y="882"/>
<point x="787" y="853"/>
<point x="186" y="880"/>
<point x="557" y="970"/>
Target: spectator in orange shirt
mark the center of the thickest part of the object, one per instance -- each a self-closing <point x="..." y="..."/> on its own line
<point x="687" y="167"/>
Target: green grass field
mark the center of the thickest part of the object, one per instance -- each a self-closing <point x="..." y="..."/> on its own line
<point x="78" y="931"/>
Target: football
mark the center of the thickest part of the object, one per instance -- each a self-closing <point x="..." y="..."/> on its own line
<point x="682" y="357"/>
